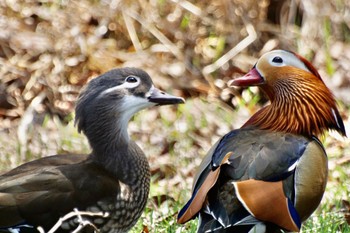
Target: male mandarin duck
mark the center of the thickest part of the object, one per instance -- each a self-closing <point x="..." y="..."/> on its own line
<point x="271" y="173"/>
<point x="113" y="178"/>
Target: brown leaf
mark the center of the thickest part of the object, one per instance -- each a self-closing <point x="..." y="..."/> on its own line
<point x="145" y="229"/>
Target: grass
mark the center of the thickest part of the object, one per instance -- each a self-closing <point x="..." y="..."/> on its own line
<point x="175" y="139"/>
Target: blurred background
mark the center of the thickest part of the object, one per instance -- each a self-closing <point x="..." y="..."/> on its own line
<point x="50" y="49"/>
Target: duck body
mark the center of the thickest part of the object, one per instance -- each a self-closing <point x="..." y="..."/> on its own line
<point x="269" y="175"/>
<point x="114" y="178"/>
<point x="270" y="166"/>
<point x="40" y="193"/>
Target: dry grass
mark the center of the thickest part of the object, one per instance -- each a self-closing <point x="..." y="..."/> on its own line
<point x="49" y="49"/>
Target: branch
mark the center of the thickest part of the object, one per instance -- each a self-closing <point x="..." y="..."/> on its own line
<point x="233" y="52"/>
<point x="82" y="223"/>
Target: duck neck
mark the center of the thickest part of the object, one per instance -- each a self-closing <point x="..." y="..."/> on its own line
<point x="113" y="149"/>
<point x="305" y="110"/>
<point x="105" y="138"/>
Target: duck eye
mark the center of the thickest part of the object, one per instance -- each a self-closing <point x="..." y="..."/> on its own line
<point x="131" y="79"/>
<point x="277" y="60"/>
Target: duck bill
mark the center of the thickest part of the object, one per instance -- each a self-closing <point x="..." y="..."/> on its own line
<point x="161" y="98"/>
<point x="252" y="78"/>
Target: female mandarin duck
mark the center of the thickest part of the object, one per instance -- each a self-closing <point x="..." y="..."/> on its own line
<point x="113" y="178"/>
<point x="271" y="173"/>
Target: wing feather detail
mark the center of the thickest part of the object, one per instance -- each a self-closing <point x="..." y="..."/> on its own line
<point x="194" y="205"/>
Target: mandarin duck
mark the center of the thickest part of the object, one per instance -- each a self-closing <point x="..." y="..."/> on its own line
<point x="113" y="178"/>
<point x="270" y="174"/>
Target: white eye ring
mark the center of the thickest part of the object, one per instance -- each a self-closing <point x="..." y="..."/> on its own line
<point x="131" y="82"/>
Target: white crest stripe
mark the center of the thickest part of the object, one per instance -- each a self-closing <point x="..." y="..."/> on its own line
<point x="125" y="85"/>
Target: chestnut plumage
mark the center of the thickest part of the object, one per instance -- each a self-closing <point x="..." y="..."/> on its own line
<point x="272" y="172"/>
<point x="113" y="178"/>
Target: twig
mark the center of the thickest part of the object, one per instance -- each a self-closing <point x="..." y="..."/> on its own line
<point x="26" y="120"/>
<point x="82" y="223"/>
<point x="158" y="34"/>
<point x="132" y="32"/>
<point x="190" y="7"/>
<point x="233" y="52"/>
<point x="195" y="10"/>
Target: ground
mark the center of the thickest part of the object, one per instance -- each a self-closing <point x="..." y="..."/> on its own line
<point x="49" y="49"/>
